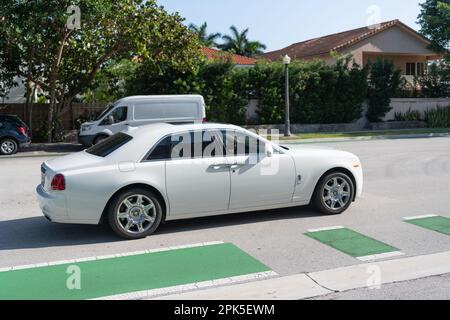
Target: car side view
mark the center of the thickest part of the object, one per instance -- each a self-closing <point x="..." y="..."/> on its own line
<point x="139" y="178"/>
<point x="13" y="134"/>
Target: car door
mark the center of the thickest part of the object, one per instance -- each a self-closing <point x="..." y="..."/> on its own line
<point x="197" y="175"/>
<point x="258" y="180"/>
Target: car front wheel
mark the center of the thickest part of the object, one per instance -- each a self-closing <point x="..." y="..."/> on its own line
<point x="8" y="146"/>
<point x="334" y="193"/>
<point x="135" y="214"/>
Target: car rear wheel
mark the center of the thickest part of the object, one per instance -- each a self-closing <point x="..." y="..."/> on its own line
<point x="334" y="193"/>
<point x="135" y="214"/>
<point x="8" y="146"/>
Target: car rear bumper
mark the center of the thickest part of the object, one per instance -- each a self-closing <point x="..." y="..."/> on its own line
<point x="87" y="140"/>
<point x="53" y="206"/>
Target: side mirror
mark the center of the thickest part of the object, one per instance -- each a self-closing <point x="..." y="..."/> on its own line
<point x="269" y="150"/>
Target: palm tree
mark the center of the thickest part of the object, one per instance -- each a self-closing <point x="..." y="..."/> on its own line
<point x="238" y="43"/>
<point x="208" y="40"/>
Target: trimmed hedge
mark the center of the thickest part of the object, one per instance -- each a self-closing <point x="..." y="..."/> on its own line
<point x="319" y="93"/>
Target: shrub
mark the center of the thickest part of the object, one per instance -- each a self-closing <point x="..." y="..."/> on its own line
<point x="410" y="115"/>
<point x="384" y="82"/>
<point x="438" y="118"/>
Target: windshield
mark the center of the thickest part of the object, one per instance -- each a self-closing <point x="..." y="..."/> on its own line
<point x="108" y="146"/>
<point x="108" y="109"/>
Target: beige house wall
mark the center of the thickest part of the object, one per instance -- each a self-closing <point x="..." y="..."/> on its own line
<point x="396" y="44"/>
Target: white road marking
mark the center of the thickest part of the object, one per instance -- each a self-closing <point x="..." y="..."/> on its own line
<point x="325" y="229"/>
<point x="381" y="256"/>
<point x="420" y="217"/>
<point x="189" y="287"/>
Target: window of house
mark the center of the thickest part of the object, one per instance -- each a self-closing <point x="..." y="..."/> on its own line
<point x="420" y="68"/>
<point x="410" y="68"/>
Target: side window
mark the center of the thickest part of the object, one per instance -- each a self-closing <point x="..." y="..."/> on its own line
<point x="162" y="151"/>
<point x="188" y="145"/>
<point x="241" y="144"/>
<point x="120" y="114"/>
<point x="117" y="116"/>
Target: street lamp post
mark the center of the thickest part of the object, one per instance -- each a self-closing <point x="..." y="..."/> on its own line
<point x="287" y="124"/>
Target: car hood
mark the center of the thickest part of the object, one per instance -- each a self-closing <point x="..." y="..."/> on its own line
<point x="314" y="150"/>
<point x="74" y="161"/>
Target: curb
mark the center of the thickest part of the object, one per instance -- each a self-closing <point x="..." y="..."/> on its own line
<point x="356" y="139"/>
<point x="322" y="283"/>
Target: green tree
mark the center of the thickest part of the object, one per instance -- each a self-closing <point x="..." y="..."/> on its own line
<point x="207" y="39"/>
<point x="65" y="60"/>
<point x="238" y="42"/>
<point x="435" y="22"/>
<point x="385" y="81"/>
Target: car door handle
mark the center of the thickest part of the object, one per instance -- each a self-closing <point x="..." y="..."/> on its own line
<point x="219" y="166"/>
<point x="236" y="166"/>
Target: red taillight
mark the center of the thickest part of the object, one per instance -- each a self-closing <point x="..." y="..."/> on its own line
<point x="59" y="183"/>
<point x="23" y="130"/>
<point x="204" y="120"/>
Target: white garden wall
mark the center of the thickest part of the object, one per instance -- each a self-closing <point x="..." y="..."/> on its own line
<point x="422" y="105"/>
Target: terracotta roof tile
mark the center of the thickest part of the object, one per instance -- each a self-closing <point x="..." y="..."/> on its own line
<point x="214" y="54"/>
<point x="326" y="44"/>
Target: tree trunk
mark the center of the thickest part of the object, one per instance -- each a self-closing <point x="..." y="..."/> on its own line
<point x="51" y="108"/>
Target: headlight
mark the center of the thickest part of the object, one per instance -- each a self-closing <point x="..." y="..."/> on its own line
<point x="85" y="128"/>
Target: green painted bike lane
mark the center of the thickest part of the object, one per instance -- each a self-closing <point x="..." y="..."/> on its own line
<point x="108" y="277"/>
<point x="352" y="243"/>
<point x="435" y="223"/>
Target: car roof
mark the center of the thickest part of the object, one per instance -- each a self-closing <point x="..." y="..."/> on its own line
<point x="191" y="97"/>
<point x="166" y="128"/>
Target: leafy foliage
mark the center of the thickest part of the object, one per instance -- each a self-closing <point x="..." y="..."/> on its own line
<point x="207" y="39"/>
<point x="65" y="61"/>
<point x="238" y="42"/>
<point x="384" y="82"/>
<point x="438" y="118"/>
<point x="435" y="22"/>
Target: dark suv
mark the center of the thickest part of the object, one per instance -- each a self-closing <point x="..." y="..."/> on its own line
<point x="13" y="134"/>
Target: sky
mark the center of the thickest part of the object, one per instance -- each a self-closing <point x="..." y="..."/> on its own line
<point x="284" y="22"/>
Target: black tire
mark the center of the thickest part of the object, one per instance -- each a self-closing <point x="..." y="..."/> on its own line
<point x="319" y="194"/>
<point x="117" y="225"/>
<point x="99" y="139"/>
<point x="8" y="146"/>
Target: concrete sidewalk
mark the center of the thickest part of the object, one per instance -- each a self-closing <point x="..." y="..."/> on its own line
<point x="310" y="285"/>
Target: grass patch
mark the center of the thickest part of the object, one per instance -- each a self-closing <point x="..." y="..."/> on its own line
<point x="305" y="136"/>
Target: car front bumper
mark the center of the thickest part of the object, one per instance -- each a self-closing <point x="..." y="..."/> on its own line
<point x="53" y="206"/>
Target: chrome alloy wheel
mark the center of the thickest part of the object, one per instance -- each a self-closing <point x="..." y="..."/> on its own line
<point x="7" y="147"/>
<point x="336" y="193"/>
<point x="136" y="214"/>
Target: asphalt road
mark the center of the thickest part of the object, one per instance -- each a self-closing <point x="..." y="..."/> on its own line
<point x="404" y="177"/>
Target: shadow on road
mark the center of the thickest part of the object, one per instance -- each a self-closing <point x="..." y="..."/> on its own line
<point x="237" y="219"/>
<point x="37" y="232"/>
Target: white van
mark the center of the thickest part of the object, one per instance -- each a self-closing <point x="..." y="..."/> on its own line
<point x="140" y="110"/>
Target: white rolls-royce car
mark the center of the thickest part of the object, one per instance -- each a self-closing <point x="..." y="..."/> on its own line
<point x="139" y="178"/>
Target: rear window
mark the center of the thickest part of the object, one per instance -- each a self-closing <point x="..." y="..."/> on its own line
<point x="108" y="146"/>
<point x="13" y="119"/>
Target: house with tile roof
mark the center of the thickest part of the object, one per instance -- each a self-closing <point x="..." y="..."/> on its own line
<point x="238" y="60"/>
<point x="392" y="40"/>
